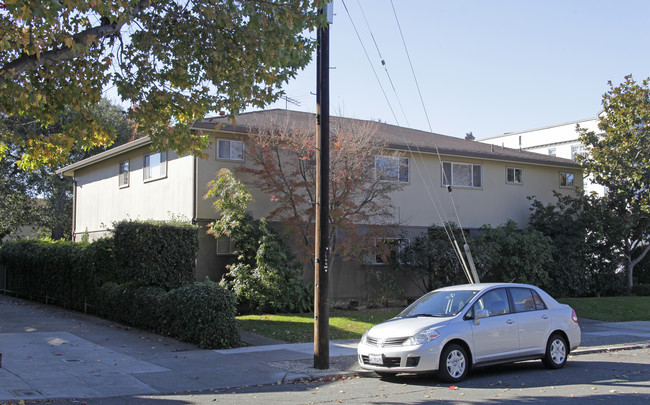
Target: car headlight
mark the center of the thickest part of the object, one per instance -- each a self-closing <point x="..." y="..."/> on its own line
<point x="421" y="338"/>
<point x="363" y="338"/>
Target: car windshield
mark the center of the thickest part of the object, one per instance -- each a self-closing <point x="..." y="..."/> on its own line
<point x="439" y="304"/>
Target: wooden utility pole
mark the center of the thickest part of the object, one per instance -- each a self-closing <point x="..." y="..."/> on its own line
<point x="321" y="265"/>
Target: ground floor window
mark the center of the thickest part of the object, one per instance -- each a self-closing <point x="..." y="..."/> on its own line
<point x="225" y="246"/>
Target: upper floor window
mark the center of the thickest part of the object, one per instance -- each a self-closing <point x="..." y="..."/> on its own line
<point x="514" y="175"/>
<point x="123" y="177"/>
<point x="155" y="166"/>
<point x="230" y="150"/>
<point x="567" y="180"/>
<point x="578" y="150"/>
<point x="461" y="175"/>
<point x="392" y="168"/>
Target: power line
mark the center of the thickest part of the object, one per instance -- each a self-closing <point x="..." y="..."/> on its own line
<point x="445" y="223"/>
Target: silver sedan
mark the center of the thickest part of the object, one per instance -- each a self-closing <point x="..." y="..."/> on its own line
<point x="452" y="329"/>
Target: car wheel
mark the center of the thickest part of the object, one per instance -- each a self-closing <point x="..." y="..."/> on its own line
<point x="453" y="363"/>
<point x="556" y="352"/>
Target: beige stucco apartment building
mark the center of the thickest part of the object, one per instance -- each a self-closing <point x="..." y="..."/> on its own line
<point x="490" y="185"/>
<point x="561" y="140"/>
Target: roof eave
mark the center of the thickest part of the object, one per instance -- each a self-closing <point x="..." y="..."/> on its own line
<point x="69" y="169"/>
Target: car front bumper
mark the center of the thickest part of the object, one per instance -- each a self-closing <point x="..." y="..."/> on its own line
<point x="399" y="359"/>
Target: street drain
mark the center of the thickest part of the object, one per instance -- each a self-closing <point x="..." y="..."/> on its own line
<point x="72" y="360"/>
<point x="26" y="393"/>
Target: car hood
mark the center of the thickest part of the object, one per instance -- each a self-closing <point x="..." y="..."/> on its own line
<point x="404" y="327"/>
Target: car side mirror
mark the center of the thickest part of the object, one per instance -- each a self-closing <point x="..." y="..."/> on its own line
<point x="480" y="314"/>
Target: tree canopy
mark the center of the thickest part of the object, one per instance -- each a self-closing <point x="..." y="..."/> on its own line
<point x="284" y="166"/>
<point x="619" y="158"/>
<point x="38" y="197"/>
<point x="173" y="61"/>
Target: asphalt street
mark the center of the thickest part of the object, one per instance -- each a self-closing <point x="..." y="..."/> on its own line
<point x="49" y="353"/>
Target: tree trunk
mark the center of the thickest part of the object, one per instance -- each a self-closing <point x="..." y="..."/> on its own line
<point x="630" y="277"/>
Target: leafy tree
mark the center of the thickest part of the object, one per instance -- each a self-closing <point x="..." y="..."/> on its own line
<point x="39" y="197"/>
<point x="619" y="159"/>
<point x="430" y="260"/>
<point x="582" y="261"/>
<point x="174" y="61"/>
<point x="513" y="255"/>
<point x="265" y="276"/>
<point x="360" y="208"/>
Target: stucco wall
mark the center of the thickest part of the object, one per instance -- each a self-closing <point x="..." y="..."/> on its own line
<point x="494" y="203"/>
<point x="560" y="138"/>
<point x="100" y="201"/>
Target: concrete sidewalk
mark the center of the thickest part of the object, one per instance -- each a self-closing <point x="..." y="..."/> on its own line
<point x="52" y="353"/>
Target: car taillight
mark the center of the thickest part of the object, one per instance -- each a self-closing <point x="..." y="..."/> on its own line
<point x="574" y="316"/>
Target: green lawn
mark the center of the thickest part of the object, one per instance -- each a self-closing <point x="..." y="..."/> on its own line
<point x="611" y="309"/>
<point x="298" y="328"/>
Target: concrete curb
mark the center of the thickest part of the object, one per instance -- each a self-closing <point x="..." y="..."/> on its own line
<point x="324" y="374"/>
<point x="604" y="349"/>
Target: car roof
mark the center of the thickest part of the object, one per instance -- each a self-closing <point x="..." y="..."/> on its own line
<point x="482" y="286"/>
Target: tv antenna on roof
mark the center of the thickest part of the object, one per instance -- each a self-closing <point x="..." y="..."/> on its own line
<point x="288" y="100"/>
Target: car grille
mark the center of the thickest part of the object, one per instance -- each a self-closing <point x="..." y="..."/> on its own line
<point x="372" y="341"/>
<point x="388" y="361"/>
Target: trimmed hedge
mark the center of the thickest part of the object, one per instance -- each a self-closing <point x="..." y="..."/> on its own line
<point x="66" y="272"/>
<point x="131" y="305"/>
<point x="199" y="313"/>
<point x="202" y="313"/>
<point x="156" y="253"/>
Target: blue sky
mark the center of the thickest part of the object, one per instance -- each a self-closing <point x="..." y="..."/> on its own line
<point x="490" y="67"/>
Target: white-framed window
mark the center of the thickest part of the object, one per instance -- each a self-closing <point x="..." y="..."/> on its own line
<point x="225" y="246"/>
<point x="123" y="176"/>
<point x="552" y="151"/>
<point x="230" y="150"/>
<point x="578" y="150"/>
<point x="567" y="180"/>
<point x="386" y="248"/>
<point x="461" y="175"/>
<point x="155" y="166"/>
<point x="514" y="175"/>
<point x="392" y="168"/>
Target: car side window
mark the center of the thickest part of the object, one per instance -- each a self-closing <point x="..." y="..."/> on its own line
<point x="495" y="301"/>
<point x="526" y="300"/>
<point x="539" y="303"/>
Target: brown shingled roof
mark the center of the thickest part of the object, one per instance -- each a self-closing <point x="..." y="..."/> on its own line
<point x="394" y="136"/>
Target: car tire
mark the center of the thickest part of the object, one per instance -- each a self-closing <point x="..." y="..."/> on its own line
<point x="556" y="352"/>
<point x="454" y="363"/>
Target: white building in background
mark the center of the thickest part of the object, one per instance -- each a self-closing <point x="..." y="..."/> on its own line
<point x="557" y="140"/>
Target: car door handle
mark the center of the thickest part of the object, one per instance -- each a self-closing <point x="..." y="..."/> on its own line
<point x="544" y="316"/>
<point x="510" y="321"/>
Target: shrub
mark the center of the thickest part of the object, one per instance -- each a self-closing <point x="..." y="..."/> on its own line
<point x="202" y="313"/>
<point x="156" y="253"/>
<point x="641" y="289"/>
<point x="430" y="260"/>
<point x="66" y="272"/>
<point x="509" y="254"/>
<point x="265" y="276"/>
<point x="132" y="305"/>
<point x="100" y="256"/>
